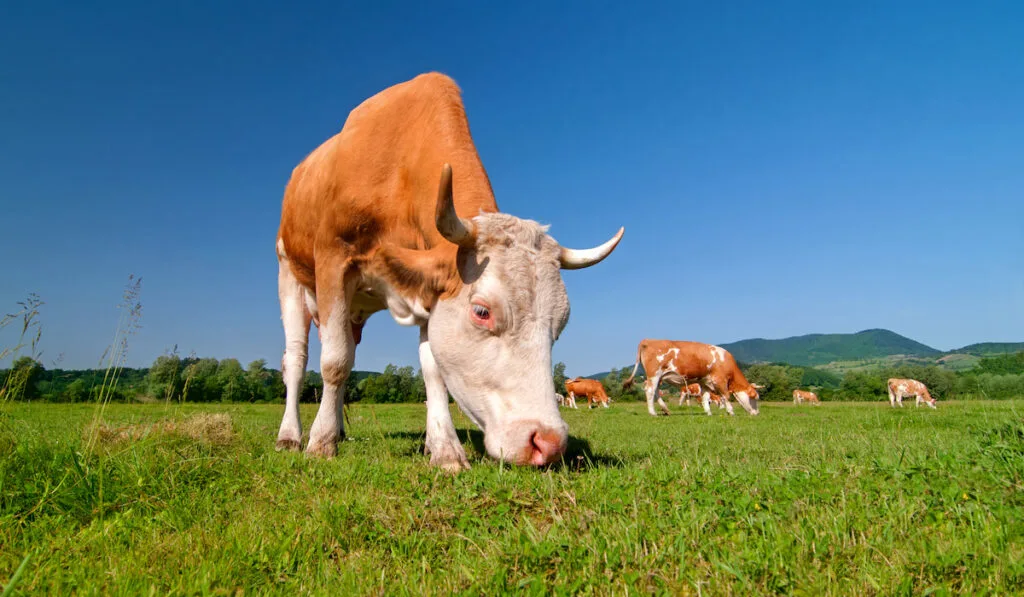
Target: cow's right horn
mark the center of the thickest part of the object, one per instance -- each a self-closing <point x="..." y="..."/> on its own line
<point x="581" y="258"/>
<point x="458" y="230"/>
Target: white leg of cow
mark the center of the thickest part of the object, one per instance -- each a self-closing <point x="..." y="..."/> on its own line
<point x="705" y="401"/>
<point x="442" y="442"/>
<point x="650" y="390"/>
<point x="337" y="355"/>
<point x="665" y="408"/>
<point x="572" y="400"/>
<point x="892" y="399"/>
<point x="726" y="404"/>
<point x="295" y="317"/>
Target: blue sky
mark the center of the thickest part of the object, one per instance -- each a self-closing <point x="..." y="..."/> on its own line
<point x="780" y="168"/>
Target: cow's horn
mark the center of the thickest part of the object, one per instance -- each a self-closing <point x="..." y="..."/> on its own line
<point x="458" y="230"/>
<point x="581" y="258"/>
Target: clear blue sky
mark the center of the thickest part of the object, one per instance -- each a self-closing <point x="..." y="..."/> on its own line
<point x="781" y="168"/>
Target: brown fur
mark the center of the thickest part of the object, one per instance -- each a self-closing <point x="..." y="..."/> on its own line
<point x="694" y="360"/>
<point x="806" y="396"/>
<point x="384" y="167"/>
<point x="591" y="389"/>
<point x="913" y="388"/>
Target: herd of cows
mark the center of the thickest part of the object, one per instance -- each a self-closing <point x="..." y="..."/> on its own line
<point x="710" y="373"/>
<point x="395" y="212"/>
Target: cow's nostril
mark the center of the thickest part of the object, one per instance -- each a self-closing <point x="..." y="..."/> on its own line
<point x="547" y="446"/>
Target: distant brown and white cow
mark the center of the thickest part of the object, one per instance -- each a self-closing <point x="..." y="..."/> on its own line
<point x="676" y="362"/>
<point x="591" y="389"/>
<point x="901" y="388"/>
<point x="396" y="212"/>
<point x="692" y="390"/>
<point x="805" y="396"/>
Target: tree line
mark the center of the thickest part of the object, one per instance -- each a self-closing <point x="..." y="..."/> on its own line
<point x="190" y="379"/>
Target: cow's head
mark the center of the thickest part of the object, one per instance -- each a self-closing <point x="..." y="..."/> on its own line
<point x="492" y="340"/>
<point x="749" y="398"/>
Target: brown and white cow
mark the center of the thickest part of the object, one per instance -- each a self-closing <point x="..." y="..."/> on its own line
<point x="805" y="396"/>
<point x="591" y="389"/>
<point x="692" y="389"/>
<point x="396" y="212"/>
<point x="901" y="388"/>
<point x="676" y="362"/>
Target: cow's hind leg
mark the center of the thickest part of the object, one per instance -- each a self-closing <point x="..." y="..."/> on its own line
<point x="650" y="389"/>
<point x="295" y="317"/>
<point x="335" y="289"/>
<point x="442" y="442"/>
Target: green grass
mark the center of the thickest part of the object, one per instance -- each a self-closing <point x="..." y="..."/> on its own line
<point x="843" y="499"/>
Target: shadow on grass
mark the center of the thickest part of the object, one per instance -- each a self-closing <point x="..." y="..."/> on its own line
<point x="578" y="454"/>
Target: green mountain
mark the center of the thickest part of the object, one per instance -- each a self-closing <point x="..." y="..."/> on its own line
<point x="819" y="349"/>
<point x="989" y="348"/>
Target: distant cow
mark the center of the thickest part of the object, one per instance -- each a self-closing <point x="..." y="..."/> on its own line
<point x="591" y="389"/>
<point x="805" y="396"/>
<point x="901" y="388"/>
<point x="693" y="389"/>
<point x="676" y="362"/>
<point x="396" y="212"/>
<point x="563" y="400"/>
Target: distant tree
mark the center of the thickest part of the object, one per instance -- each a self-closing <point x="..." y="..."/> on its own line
<point x="559" y="375"/>
<point x="231" y="381"/>
<point x="164" y="378"/>
<point x="201" y="383"/>
<point x="20" y="382"/>
<point x="779" y="380"/>
<point x="261" y="383"/>
<point x="312" y="387"/>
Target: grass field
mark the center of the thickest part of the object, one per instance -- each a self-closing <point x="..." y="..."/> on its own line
<point x="842" y="499"/>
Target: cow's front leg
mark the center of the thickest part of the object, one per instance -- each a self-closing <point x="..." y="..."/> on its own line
<point x="295" y="316"/>
<point x="337" y="355"/>
<point x="442" y="442"/>
<point x="726" y="404"/>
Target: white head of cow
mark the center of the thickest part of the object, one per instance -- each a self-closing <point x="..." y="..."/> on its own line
<point x="749" y="399"/>
<point x="492" y="341"/>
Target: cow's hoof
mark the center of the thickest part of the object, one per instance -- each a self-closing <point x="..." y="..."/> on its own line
<point x="322" y="449"/>
<point x="450" y="465"/>
<point x="449" y="457"/>
<point x="287" y="445"/>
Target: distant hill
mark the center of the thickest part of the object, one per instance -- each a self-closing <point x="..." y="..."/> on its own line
<point x="989" y="348"/>
<point x="819" y="349"/>
<point x="839" y="353"/>
<point x="602" y="374"/>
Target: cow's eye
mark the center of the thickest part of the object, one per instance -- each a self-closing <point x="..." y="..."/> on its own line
<point x="481" y="312"/>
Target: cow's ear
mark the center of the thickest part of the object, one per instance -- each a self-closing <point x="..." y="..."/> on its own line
<point x="420" y="273"/>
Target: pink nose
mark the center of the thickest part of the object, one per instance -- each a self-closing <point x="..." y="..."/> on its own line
<point x="546" y="446"/>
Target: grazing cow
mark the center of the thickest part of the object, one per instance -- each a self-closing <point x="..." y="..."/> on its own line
<point x="676" y="362"/>
<point x="396" y="212"/>
<point x="692" y="389"/>
<point x="562" y="400"/>
<point x="901" y="388"/>
<point x="805" y="396"/>
<point x="591" y="389"/>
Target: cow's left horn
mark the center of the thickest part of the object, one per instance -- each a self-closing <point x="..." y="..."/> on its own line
<point x="581" y="258"/>
<point x="458" y="230"/>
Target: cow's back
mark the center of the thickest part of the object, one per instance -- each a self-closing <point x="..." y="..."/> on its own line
<point x="376" y="181"/>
